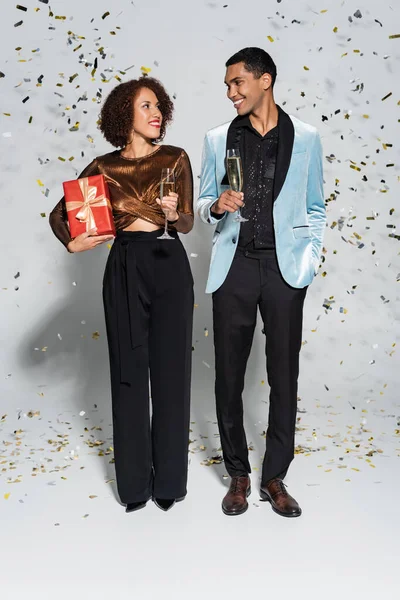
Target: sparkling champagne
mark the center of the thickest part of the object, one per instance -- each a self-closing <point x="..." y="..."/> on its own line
<point x="235" y="173"/>
<point x="166" y="187"/>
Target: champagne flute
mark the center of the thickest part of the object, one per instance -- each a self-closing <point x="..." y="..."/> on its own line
<point x="167" y="185"/>
<point x="235" y="176"/>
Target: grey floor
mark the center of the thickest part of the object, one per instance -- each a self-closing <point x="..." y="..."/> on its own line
<point x="64" y="534"/>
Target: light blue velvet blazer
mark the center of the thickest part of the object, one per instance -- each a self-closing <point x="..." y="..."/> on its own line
<point x="298" y="211"/>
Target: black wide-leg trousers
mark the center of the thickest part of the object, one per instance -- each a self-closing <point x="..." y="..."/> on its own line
<point x="148" y="303"/>
<point x="250" y="284"/>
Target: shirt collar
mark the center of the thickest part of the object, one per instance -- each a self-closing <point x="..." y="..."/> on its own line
<point x="244" y="121"/>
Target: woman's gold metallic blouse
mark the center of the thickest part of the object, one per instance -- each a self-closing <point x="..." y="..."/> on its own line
<point x="134" y="185"/>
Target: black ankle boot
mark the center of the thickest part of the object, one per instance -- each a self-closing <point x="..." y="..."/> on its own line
<point x="132" y="506"/>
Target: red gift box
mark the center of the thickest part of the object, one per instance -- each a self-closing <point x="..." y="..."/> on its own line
<point x="88" y="205"/>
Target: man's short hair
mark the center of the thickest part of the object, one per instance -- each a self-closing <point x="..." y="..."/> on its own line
<point x="256" y="61"/>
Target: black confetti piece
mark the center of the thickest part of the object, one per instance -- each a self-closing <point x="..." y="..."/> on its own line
<point x="376" y="21"/>
<point x="18" y="24"/>
<point x="19" y="7"/>
<point x="25" y="100"/>
<point x="358" y="14"/>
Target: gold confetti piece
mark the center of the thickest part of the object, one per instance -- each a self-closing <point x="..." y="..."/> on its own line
<point x="40" y="182"/>
<point x="356" y="51"/>
<point x="306" y="68"/>
<point x="32" y="414"/>
<point x="145" y="70"/>
<point x="270" y="38"/>
<point x="60" y="18"/>
<point x="61" y="158"/>
<point x="366" y="116"/>
<point x="325" y="10"/>
<point x="95" y="335"/>
<point x="345" y="54"/>
<point x="335" y="30"/>
<point x="92" y="497"/>
<point x="106" y="14"/>
<point x="394" y="37"/>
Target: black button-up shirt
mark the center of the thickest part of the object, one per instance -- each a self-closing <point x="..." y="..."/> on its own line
<point x="259" y="155"/>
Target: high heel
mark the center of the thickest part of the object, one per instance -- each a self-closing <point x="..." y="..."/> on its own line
<point x="164" y="504"/>
<point x="132" y="506"/>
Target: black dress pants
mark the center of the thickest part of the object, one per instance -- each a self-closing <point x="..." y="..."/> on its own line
<point x="251" y="283"/>
<point x="148" y="303"/>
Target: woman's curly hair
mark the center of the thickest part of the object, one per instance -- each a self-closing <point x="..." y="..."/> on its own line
<point x="116" y="116"/>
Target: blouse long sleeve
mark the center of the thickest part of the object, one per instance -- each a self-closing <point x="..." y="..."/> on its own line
<point x="58" y="217"/>
<point x="184" y="189"/>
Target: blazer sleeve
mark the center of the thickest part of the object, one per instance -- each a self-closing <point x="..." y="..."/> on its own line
<point x="315" y="200"/>
<point x="208" y="185"/>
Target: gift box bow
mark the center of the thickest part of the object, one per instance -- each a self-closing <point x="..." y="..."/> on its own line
<point x="89" y="200"/>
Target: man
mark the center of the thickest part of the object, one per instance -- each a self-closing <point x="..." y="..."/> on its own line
<point x="266" y="262"/>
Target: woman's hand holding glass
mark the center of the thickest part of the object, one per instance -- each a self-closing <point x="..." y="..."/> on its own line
<point x="169" y="206"/>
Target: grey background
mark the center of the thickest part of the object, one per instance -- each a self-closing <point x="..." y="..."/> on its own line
<point x="47" y="294"/>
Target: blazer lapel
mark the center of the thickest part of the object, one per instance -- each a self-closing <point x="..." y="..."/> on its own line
<point x="285" y="147"/>
<point x="232" y="141"/>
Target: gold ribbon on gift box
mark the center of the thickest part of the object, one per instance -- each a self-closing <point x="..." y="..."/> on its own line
<point x="90" y="200"/>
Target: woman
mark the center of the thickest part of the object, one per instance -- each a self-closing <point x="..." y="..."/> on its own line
<point x="147" y="293"/>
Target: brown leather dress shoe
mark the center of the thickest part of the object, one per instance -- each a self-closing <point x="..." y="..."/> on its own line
<point x="235" y="501"/>
<point x="274" y="491"/>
